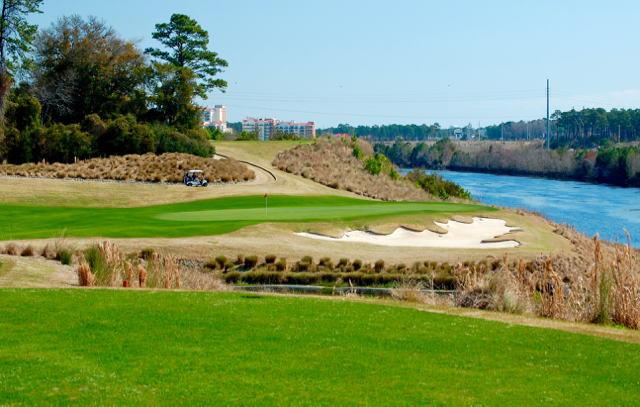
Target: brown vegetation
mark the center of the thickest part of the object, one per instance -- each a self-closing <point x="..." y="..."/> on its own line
<point x="169" y="167"/>
<point x="333" y="164"/>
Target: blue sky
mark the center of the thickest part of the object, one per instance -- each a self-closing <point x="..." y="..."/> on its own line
<point x="381" y="62"/>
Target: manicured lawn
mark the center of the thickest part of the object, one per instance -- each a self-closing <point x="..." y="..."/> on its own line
<point x="117" y="347"/>
<point x="200" y="218"/>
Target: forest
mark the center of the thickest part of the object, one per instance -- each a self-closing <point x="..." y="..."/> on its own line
<point x="77" y="89"/>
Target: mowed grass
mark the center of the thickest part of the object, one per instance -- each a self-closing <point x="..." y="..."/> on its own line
<point x="200" y="218"/>
<point x="117" y="347"/>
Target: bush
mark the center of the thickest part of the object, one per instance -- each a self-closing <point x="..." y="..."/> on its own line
<point x="211" y="265"/>
<point x="221" y="260"/>
<point x="12" y="249"/>
<point x="146" y="253"/>
<point x="229" y="265"/>
<point x="308" y="259"/>
<point x="326" y="262"/>
<point x="270" y="258"/>
<point x="251" y="261"/>
<point x="303" y="266"/>
<point x="357" y="264"/>
<point x="48" y="253"/>
<point x="240" y="259"/>
<point x="28" y="251"/>
<point x="343" y="262"/>
<point x="232" y="278"/>
<point x="379" y="266"/>
<point x="64" y="256"/>
<point x="281" y="265"/>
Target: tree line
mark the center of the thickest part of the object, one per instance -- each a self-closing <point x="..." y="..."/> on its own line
<point x="410" y="132"/>
<point x="616" y="164"/>
<point x="77" y="89"/>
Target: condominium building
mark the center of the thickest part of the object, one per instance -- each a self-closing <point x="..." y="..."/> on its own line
<point x="264" y="127"/>
<point x="217" y="114"/>
<point x="215" y="118"/>
<point x="267" y="127"/>
<point x="305" y="130"/>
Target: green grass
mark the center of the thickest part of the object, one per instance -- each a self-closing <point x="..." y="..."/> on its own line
<point x="124" y="347"/>
<point x="200" y="218"/>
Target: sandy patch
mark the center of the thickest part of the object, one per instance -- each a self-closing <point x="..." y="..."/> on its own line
<point x="459" y="236"/>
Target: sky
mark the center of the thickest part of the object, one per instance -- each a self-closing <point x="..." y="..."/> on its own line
<point x="374" y="62"/>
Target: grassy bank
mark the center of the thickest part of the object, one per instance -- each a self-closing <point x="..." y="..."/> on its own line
<point x="115" y="347"/>
<point x="200" y="218"/>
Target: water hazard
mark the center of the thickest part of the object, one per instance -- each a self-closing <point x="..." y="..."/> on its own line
<point x="591" y="208"/>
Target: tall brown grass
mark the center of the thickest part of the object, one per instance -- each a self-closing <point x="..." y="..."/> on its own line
<point x="169" y="167"/>
<point x="332" y="163"/>
<point x="85" y="277"/>
<point x="163" y="272"/>
<point x="600" y="284"/>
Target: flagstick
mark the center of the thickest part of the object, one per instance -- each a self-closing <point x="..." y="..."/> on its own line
<point x="266" y="207"/>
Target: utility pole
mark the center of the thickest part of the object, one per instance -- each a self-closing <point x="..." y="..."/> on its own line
<point x="547" y="114"/>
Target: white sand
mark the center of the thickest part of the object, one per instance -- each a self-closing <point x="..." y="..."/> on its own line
<point x="459" y="236"/>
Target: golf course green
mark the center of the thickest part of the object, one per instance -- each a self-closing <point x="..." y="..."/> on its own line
<point x="202" y="218"/>
<point x="152" y="347"/>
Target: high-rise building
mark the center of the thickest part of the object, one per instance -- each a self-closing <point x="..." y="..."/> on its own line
<point x="215" y="118"/>
<point x="264" y="127"/>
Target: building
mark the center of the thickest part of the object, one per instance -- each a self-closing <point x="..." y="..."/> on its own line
<point x="218" y="114"/>
<point x="304" y="130"/>
<point x="264" y="127"/>
<point x="215" y="118"/>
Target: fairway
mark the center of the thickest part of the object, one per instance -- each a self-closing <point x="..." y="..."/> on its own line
<point x="125" y="347"/>
<point x="201" y="218"/>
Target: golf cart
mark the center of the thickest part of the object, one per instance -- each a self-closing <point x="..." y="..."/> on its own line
<point x="194" y="178"/>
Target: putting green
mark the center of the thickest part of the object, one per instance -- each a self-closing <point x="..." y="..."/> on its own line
<point x="325" y="213"/>
<point x="202" y="218"/>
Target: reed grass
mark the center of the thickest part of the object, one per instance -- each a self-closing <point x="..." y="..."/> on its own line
<point x="168" y="167"/>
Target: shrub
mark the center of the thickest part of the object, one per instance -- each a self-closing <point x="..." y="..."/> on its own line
<point x="402" y="268"/>
<point x="343" y="262"/>
<point x="221" y="260"/>
<point x="12" y="249"/>
<point x="211" y="264"/>
<point x="303" y="266"/>
<point x="232" y="278"/>
<point x="308" y="259"/>
<point x="229" y="265"/>
<point x="357" y="264"/>
<point x="379" y="266"/>
<point x="64" y="256"/>
<point x="240" y="259"/>
<point x="48" y="253"/>
<point x="28" y="251"/>
<point x="281" y="265"/>
<point x="146" y="253"/>
<point x="251" y="261"/>
<point x="326" y="262"/>
<point x="270" y="258"/>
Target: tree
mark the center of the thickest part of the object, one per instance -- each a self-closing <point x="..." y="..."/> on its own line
<point x="16" y="39"/>
<point x="187" y="42"/>
<point x="83" y="68"/>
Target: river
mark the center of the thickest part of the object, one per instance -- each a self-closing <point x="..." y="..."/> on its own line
<point x="591" y="208"/>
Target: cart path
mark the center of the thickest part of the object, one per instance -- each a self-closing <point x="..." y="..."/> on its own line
<point x="263" y="175"/>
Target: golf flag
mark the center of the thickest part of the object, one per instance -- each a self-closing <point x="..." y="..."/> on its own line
<point x="266" y="208"/>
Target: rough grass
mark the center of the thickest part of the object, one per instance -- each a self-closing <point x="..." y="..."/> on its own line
<point x="332" y="163"/>
<point x="164" y="346"/>
<point x="203" y="218"/>
<point x="169" y="167"/>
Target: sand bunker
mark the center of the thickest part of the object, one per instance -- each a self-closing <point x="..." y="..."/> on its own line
<point x="459" y="236"/>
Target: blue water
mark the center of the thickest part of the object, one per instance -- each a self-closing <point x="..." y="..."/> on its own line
<point x="591" y="208"/>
